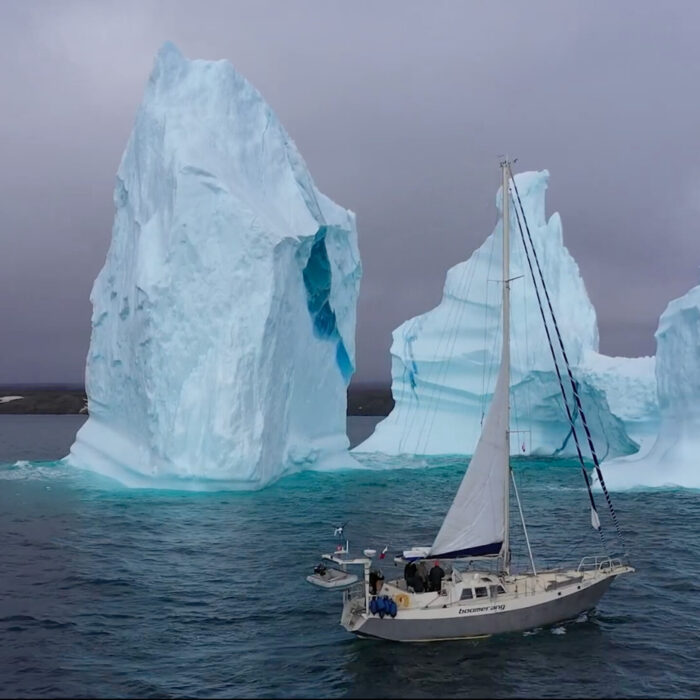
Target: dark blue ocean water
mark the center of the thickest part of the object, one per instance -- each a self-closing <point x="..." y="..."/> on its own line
<point x="109" y="592"/>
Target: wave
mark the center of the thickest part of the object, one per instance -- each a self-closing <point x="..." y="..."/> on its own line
<point x="25" y="470"/>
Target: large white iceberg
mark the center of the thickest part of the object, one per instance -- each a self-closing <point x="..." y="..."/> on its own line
<point x="674" y="457"/>
<point x="224" y="317"/>
<point x="444" y="362"/>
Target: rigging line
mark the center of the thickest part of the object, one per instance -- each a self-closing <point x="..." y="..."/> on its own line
<point x="559" y="378"/>
<point x="522" y="354"/>
<point x="526" y="363"/>
<point x="412" y="394"/>
<point x="493" y="366"/>
<point x="445" y="340"/>
<point x="522" y="520"/>
<point x="523" y="482"/>
<point x="428" y="387"/>
<point x="556" y="367"/>
<point x="486" y="324"/>
<point x="441" y="379"/>
<point x="414" y="406"/>
<point x="457" y="311"/>
<point x="461" y="309"/>
<point x="491" y="357"/>
<point x="571" y="377"/>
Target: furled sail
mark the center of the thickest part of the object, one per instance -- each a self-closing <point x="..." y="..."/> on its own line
<point x="475" y="523"/>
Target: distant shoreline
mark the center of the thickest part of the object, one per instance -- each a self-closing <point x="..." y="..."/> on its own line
<point x="363" y="400"/>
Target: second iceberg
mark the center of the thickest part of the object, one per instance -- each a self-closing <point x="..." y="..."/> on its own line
<point x="443" y="361"/>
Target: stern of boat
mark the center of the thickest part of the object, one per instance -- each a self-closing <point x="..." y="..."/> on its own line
<point x="354" y="608"/>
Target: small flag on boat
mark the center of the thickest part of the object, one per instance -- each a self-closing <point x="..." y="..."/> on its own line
<point x="384" y="551"/>
<point x="595" y="520"/>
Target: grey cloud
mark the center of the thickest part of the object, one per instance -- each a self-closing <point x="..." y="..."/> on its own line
<point x="401" y="110"/>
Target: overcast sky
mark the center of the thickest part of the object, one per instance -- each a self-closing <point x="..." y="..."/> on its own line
<point x="400" y="110"/>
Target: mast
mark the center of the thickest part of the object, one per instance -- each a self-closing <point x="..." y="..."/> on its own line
<point x="505" y="353"/>
<point x="476" y="525"/>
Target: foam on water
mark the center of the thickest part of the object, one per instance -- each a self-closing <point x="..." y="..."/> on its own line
<point x="37" y="471"/>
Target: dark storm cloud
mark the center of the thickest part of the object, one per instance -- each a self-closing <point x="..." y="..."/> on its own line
<point x="400" y="110"/>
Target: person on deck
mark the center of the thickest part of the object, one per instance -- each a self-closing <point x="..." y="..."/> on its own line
<point x="409" y="571"/>
<point x="416" y="583"/>
<point x="423" y="573"/>
<point x="435" y="577"/>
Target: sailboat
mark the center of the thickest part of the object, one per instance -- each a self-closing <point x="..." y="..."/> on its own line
<point x="486" y="597"/>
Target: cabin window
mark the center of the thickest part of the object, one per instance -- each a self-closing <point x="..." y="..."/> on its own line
<point x="500" y="589"/>
<point x="481" y="592"/>
<point x="467" y="594"/>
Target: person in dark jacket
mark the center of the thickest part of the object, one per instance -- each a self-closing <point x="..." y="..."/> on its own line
<point x="416" y="583"/>
<point x="422" y="571"/>
<point x="409" y="571"/>
<point x="437" y="573"/>
<point x="376" y="581"/>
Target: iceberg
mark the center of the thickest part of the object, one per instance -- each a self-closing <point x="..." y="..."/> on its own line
<point x="672" y="458"/>
<point x="444" y="362"/>
<point x="223" y="325"/>
<point x="629" y="384"/>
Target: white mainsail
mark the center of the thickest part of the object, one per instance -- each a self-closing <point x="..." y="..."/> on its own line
<point x="477" y="522"/>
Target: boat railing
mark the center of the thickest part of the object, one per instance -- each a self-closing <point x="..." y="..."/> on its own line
<point x="598" y="563"/>
<point x="356" y="593"/>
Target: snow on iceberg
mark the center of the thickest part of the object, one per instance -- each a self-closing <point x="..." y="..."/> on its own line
<point x="224" y="317"/>
<point x="674" y="457"/>
<point x="444" y="362"/>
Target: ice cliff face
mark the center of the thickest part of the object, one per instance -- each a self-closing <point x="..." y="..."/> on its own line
<point x="629" y="384"/>
<point x="224" y="317"/>
<point x="444" y="362"/>
<point x="673" y="458"/>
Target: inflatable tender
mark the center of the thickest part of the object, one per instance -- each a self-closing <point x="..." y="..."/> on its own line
<point x="331" y="579"/>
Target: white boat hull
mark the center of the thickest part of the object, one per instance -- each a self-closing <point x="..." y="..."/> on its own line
<point x="485" y="617"/>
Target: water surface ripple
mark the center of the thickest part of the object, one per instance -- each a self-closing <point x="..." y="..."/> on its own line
<point x="109" y="592"/>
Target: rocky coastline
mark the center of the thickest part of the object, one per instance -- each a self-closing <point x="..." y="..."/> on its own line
<point x="363" y="400"/>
